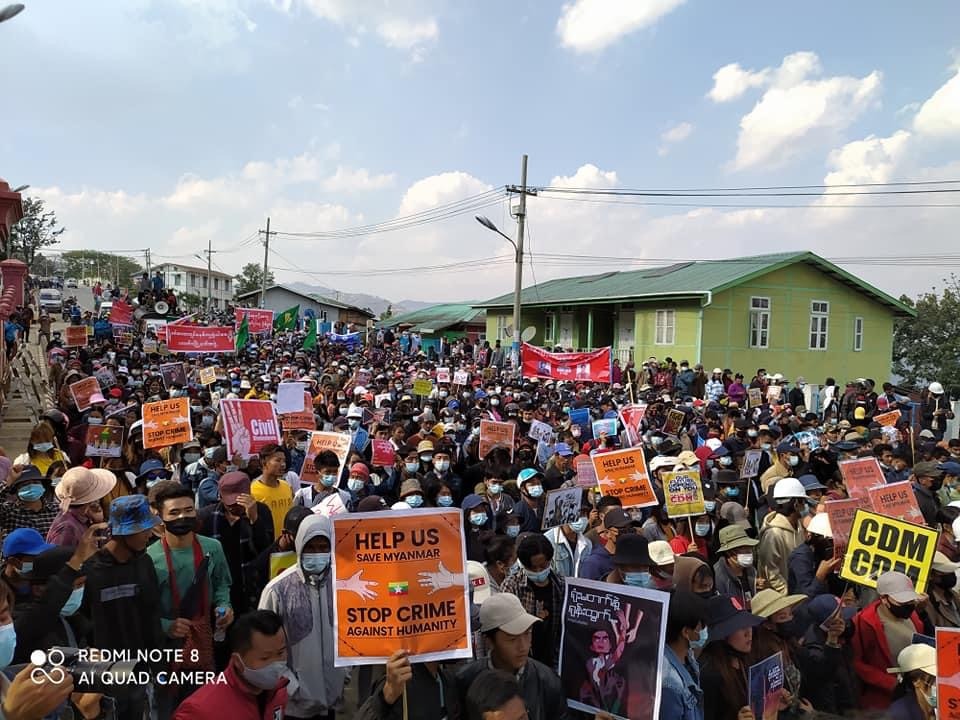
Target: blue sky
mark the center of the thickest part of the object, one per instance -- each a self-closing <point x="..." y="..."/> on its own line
<point x="163" y="124"/>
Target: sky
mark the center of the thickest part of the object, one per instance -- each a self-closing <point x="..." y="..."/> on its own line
<point x="169" y="124"/>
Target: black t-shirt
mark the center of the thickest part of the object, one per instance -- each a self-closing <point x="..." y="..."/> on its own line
<point x="545" y="632"/>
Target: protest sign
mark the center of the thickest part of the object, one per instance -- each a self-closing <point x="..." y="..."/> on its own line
<point x="200" y="339"/>
<point x="632" y="418"/>
<point x="104" y="440"/>
<point x="249" y="425"/>
<point x="562" y="507"/>
<point x="773" y="393"/>
<point x="860" y="475"/>
<point x="461" y="377"/>
<point x="443" y="375"/>
<point x="887" y="419"/>
<point x="383" y="453"/>
<point x="149" y="345"/>
<point x="75" y="336"/>
<point x="754" y="397"/>
<point x="683" y="493"/>
<point x="280" y="561"/>
<point x="378" y="400"/>
<point x="623" y="474"/>
<point x="604" y="428"/>
<point x="766" y="687"/>
<point x="896" y="500"/>
<point x="157" y="326"/>
<point x="496" y="434"/>
<point x="166" y="422"/>
<point x="751" y="464"/>
<point x="401" y="583"/>
<point x="586" y="474"/>
<point x="878" y="544"/>
<point x="173" y="374"/>
<point x="422" y="387"/>
<point x="290" y="397"/>
<point x="207" y="376"/>
<point x="489" y="373"/>
<point x="331" y="505"/>
<point x="620" y="629"/>
<point x="673" y="423"/>
<point x="82" y="391"/>
<point x="540" y="431"/>
<point x="948" y="673"/>
<point x="105" y="377"/>
<point x="576" y="366"/>
<point x="339" y="443"/>
<point x="841" y="514"/>
<point x="258" y="321"/>
<point x="121" y="314"/>
<point x="302" y="419"/>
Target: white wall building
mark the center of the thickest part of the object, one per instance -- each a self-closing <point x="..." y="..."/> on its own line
<point x="186" y="279"/>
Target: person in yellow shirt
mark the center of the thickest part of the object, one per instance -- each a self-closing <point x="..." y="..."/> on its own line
<point x="41" y="450"/>
<point x="270" y="488"/>
<point x="257" y="392"/>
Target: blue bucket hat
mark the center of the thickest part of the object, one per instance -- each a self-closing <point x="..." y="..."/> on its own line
<point x="25" y="541"/>
<point x="131" y="514"/>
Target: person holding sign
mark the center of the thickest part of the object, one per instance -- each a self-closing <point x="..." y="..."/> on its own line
<point x="270" y="488"/>
<point x="915" y="696"/>
<point x="725" y="660"/>
<point x="680" y="695"/>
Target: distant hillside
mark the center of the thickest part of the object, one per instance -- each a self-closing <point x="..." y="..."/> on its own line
<point x="376" y="303"/>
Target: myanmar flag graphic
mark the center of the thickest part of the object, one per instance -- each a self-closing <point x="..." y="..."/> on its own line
<point x="398" y="588"/>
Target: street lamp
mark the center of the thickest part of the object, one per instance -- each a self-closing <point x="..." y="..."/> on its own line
<point x="518" y="281"/>
<point x="21" y="188"/>
<point x="10" y="11"/>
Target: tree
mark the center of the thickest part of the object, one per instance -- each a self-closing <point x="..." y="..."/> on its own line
<point x="36" y="230"/>
<point x="250" y="279"/>
<point x="108" y="267"/>
<point x="190" y="301"/>
<point x="927" y="347"/>
<point x="387" y="314"/>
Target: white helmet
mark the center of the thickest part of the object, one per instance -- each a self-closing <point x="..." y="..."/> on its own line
<point x="936" y="388"/>
<point x="820" y="525"/>
<point x="788" y="488"/>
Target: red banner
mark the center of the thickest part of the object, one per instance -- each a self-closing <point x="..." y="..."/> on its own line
<point x="199" y="339"/>
<point x="581" y="366"/>
<point x="259" y="321"/>
<point x="121" y="314"/>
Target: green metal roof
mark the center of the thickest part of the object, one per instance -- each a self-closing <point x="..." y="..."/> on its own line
<point x="438" y="317"/>
<point x="687" y="279"/>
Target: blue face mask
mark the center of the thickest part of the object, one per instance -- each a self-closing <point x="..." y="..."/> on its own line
<point x="43" y="447"/>
<point x="328" y="480"/>
<point x="733" y="492"/>
<point x="31" y="492"/>
<point x="709" y="505"/>
<point x="638" y="579"/>
<point x="513" y="530"/>
<point x="8" y="643"/>
<point x="537" y="577"/>
<point x="579" y="525"/>
<point x="412" y="467"/>
<point x="315" y="563"/>
<point x="73" y="602"/>
<point x="445" y="500"/>
<point x="700" y="641"/>
<point x="478" y="519"/>
<point x="535" y="491"/>
<point x="414" y="501"/>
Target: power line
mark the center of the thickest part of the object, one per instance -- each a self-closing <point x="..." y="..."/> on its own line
<point x="724" y="193"/>
<point x="750" y="206"/>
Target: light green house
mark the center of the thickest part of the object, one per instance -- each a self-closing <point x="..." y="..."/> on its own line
<point x="792" y="313"/>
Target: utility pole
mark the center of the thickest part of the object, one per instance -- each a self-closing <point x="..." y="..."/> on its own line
<point x="266" y="253"/>
<point x="518" y="279"/>
<point x="147" y="254"/>
<point x="209" y="251"/>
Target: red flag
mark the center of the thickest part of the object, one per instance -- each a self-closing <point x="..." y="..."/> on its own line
<point x="121" y="314"/>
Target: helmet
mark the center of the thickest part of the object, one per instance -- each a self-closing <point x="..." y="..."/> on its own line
<point x="820" y="525"/>
<point x="788" y="488"/>
<point x="936" y="388"/>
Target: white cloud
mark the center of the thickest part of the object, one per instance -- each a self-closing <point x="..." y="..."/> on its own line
<point x="591" y="25"/>
<point x="871" y="160"/>
<point x="676" y="134"/>
<point x="940" y="115"/>
<point x="587" y="176"/>
<point x="438" y="190"/>
<point x="295" y="102"/>
<point x="407" y="34"/>
<point x="797" y="107"/>
<point x="351" y="180"/>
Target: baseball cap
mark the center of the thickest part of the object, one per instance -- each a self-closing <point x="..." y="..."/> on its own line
<point x="131" y="514"/>
<point x="232" y="485"/>
<point x="28" y="474"/>
<point x="616" y="518"/>
<point x="950" y="468"/>
<point x="918" y="656"/>
<point x="503" y="611"/>
<point x="734" y="513"/>
<point x="897" y="587"/>
<point x="660" y="552"/>
<point x="810" y="482"/>
<point x="479" y="581"/>
<point x="25" y="541"/>
<point x="788" y="446"/>
<point x="561" y="448"/>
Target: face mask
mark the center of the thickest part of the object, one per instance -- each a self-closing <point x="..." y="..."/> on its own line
<point x="8" y="643"/>
<point x="902" y="611"/>
<point x="733" y="492"/>
<point x="441" y="465"/>
<point x="207" y="421"/>
<point x="752" y="433"/>
<point x="702" y="529"/>
<point x="73" y="603"/>
<point x="94" y="421"/>
<point x="656" y="441"/>
<point x="663" y="583"/>
<point x="265" y="678"/>
<point x="26" y="567"/>
<point x="701" y="639"/>
<point x="328" y="480"/>
<point x="445" y="500"/>
<point x="566" y="410"/>
<point x="931" y="697"/>
<point x="535" y="491"/>
<point x="414" y="501"/>
<point x="180" y="526"/>
<point x="638" y="579"/>
<point x="232" y="468"/>
<point x="209" y="453"/>
<point x="31" y="492"/>
<point x="947" y="581"/>
<point x="726" y="461"/>
<point x="579" y="525"/>
<point x="196" y="408"/>
<point x="412" y="467"/>
<point x="353" y="423"/>
<point x="342" y="411"/>
<point x="478" y="519"/>
<point x="794" y="461"/>
<point x="745" y="560"/>
<point x="302" y="446"/>
<point x="537" y="577"/>
<point x="426" y="458"/>
<point x="315" y="563"/>
<point x="513" y="530"/>
<point x="709" y="505"/>
<point x="494" y="488"/>
<point x="804" y="510"/>
<point x="765" y="446"/>
<point x="191" y="457"/>
<point x="355" y="485"/>
<point x="43" y="447"/>
<point x="443" y="393"/>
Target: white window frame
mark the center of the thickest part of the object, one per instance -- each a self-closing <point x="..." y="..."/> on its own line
<point x="666" y="321"/>
<point x="819" y="335"/>
<point x="501" y="326"/>
<point x="548" y="319"/>
<point x="858" y="334"/>
<point x="759" y="311"/>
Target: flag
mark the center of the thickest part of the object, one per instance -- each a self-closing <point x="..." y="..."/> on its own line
<point x="310" y="341"/>
<point x="398" y="588"/>
<point x="243" y="334"/>
<point x="287" y="320"/>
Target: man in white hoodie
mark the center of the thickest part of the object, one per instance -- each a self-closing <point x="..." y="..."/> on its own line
<point x="302" y="596"/>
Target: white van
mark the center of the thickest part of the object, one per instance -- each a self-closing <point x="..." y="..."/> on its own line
<point x="50" y="300"/>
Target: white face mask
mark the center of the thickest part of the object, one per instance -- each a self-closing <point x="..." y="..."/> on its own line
<point x="745" y="560"/>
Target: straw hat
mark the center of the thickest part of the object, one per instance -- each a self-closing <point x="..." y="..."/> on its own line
<point x="80" y="486"/>
<point x="767" y="603"/>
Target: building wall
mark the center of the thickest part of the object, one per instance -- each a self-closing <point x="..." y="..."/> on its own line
<point x="191" y="281"/>
<point x="501" y="318"/>
<point x="686" y="321"/>
<point x="279" y="300"/>
<point x="791" y="291"/>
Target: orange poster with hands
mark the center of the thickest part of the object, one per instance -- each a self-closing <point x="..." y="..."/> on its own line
<point x="623" y="474"/>
<point x="401" y="584"/>
<point x="166" y="422"/>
